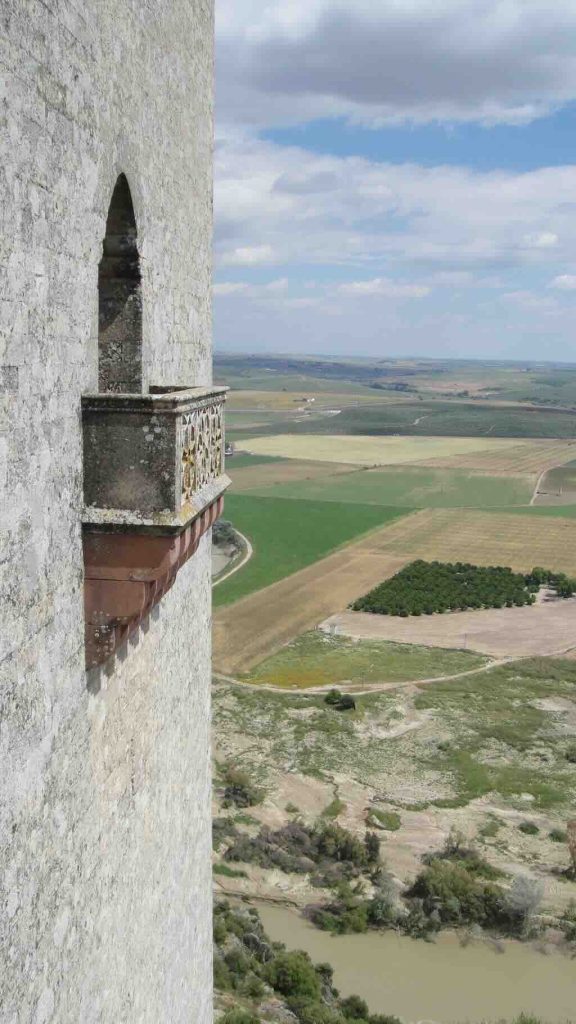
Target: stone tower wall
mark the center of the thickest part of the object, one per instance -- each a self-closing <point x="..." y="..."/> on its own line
<point x="105" y="823"/>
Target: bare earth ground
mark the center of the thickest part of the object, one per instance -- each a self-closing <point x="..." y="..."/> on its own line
<point x="384" y="760"/>
<point x="249" y="477"/>
<point x="548" y="628"/>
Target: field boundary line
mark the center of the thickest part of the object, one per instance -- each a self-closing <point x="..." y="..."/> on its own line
<point x="357" y="540"/>
<point x="247" y="556"/>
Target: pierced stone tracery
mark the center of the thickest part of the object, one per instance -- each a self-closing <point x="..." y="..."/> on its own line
<point x="202" y="447"/>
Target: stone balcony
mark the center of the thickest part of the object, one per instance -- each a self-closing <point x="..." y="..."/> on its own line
<point x="154" y="482"/>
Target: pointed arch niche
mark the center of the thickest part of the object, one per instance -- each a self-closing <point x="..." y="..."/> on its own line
<point x="120" y="298"/>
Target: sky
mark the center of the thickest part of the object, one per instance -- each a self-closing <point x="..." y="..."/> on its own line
<point x="396" y="178"/>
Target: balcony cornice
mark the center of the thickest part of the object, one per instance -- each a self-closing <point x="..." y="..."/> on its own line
<point x="154" y="483"/>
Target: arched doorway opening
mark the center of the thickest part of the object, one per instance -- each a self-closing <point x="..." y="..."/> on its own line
<point x="120" y="298"/>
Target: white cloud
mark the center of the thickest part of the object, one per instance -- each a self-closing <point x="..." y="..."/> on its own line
<point x="374" y="215"/>
<point x="383" y="286"/>
<point x="542" y="240"/>
<point x="248" y="255"/>
<point x="288" y="61"/>
<point x="225" y="288"/>
<point x="564" y="282"/>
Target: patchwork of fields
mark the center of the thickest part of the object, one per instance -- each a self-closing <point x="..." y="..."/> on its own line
<point x="288" y="535"/>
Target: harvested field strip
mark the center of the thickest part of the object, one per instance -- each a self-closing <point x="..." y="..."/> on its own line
<point x="531" y="457"/>
<point x="271" y="474"/>
<point x="413" y="486"/>
<point x="287" y="535"/>
<point x="372" y="451"/>
<point x="249" y="630"/>
<point x="483" y="538"/>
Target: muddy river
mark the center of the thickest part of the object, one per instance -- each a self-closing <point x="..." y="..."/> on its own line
<point x="441" y="982"/>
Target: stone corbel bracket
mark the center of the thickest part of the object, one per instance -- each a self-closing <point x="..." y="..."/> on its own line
<point x="154" y="482"/>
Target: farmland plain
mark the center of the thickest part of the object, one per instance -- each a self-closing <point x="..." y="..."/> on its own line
<point x="287" y="535"/>
<point x="448" y="419"/>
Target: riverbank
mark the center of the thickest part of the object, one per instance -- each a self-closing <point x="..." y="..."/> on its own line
<point x="444" y="981"/>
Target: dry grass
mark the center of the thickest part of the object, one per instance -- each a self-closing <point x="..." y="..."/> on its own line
<point x="374" y="451"/>
<point x="527" y="458"/>
<point x="249" y="478"/>
<point x="484" y="538"/>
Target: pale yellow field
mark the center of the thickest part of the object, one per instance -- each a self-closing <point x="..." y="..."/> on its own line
<point x="373" y="451"/>
<point x="519" y="458"/>
<point x="483" y="538"/>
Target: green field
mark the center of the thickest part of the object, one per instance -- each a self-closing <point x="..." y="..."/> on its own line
<point x="287" y="535"/>
<point x="417" y="487"/>
<point x="317" y="659"/>
<point x="557" y="511"/>
<point x="242" y="459"/>
<point x="447" y="419"/>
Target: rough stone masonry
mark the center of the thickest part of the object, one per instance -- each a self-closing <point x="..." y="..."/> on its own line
<point x="105" y="822"/>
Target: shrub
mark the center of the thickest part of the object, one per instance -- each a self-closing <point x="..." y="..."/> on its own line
<point x="354" y="1008"/>
<point x="457" y="896"/>
<point x="238" y="1016"/>
<point x="372" y="845"/>
<point x="240" y="791"/>
<point x="529" y="828"/>
<point x="558" y="835"/>
<point x="293" y="974"/>
<point x="570" y="753"/>
<point x="313" y="1012"/>
<point x="523" y="900"/>
<point x="223" y="869"/>
<point x="340" y="701"/>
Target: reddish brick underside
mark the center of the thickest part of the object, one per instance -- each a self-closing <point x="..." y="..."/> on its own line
<point x="126" y="575"/>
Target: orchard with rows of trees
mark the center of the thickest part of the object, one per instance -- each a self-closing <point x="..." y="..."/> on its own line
<point x="423" y="588"/>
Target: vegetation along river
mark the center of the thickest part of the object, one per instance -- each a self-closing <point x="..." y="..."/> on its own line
<point x="441" y="982"/>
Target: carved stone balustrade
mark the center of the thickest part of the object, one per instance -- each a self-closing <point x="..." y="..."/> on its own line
<point x="154" y="482"/>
